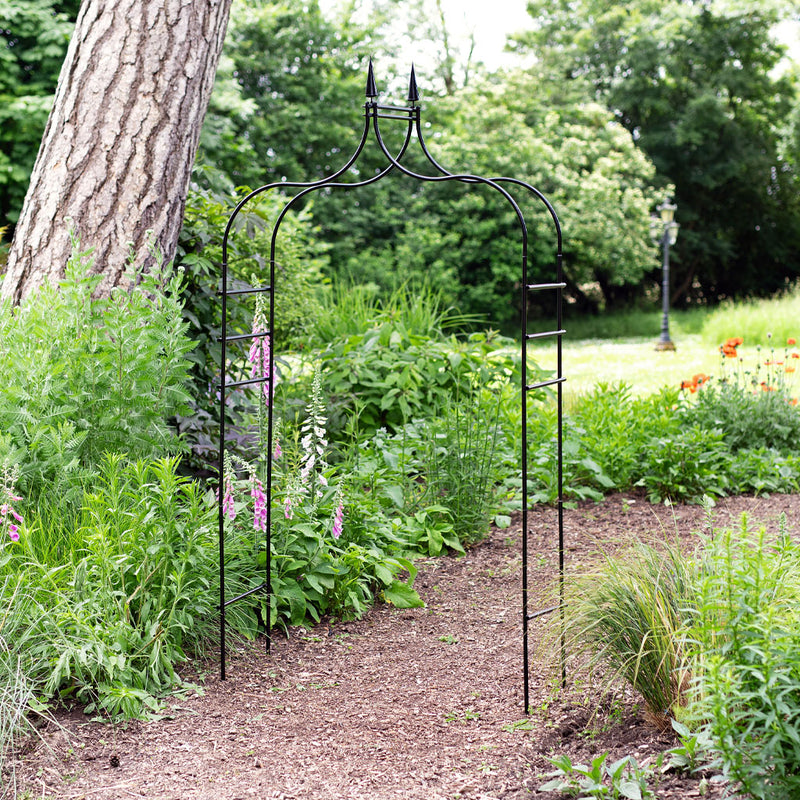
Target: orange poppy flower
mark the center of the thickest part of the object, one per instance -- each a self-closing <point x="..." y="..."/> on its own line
<point x="766" y="387"/>
<point x="793" y="401"/>
<point x="790" y="368"/>
<point x="791" y="341"/>
<point x="795" y="355"/>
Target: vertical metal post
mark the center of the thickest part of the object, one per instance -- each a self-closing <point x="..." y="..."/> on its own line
<point x="524" y="436"/>
<point x="560" y="457"/>
<point x="221" y="466"/>
<point x="665" y="343"/>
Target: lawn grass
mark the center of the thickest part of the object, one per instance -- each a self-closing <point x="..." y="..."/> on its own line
<point x="634" y="361"/>
<point x="608" y="348"/>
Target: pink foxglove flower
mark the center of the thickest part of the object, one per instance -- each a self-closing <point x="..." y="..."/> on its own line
<point x="338" y="519"/>
<point x="259" y="505"/>
<point x="10" y="520"/>
<point x="277" y="452"/>
<point x="228" y="506"/>
<point x="259" y="358"/>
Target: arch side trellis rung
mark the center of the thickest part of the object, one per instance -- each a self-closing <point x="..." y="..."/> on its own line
<point x="260" y="588"/>
<point x="529" y="387"/>
<point x="251" y="290"/>
<point x="543" y="334"/>
<point x="373" y="112"/>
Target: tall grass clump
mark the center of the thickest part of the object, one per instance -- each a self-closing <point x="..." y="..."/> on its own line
<point x="462" y="465"/>
<point x="629" y="615"/>
<point x="347" y="310"/>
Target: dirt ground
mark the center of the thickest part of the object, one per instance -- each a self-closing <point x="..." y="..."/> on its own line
<point x="421" y="704"/>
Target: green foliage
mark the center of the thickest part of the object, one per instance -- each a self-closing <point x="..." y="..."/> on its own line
<point x="291" y="66"/>
<point x="745" y="415"/>
<point x="392" y="375"/>
<point x="320" y="562"/>
<point x="297" y="279"/>
<point x="747" y="696"/>
<point x="82" y="376"/>
<point x="348" y="310"/>
<point x="131" y="591"/>
<point x="622" y="779"/>
<point x="697" y="85"/>
<point x="629" y="615"/>
<point x="685" y="466"/>
<point x="34" y="35"/>
<point x="461" y="465"/>
<point x="676" y="451"/>
<point x="692" y="753"/>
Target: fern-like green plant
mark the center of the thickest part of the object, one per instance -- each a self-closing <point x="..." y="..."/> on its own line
<point x="81" y="376"/>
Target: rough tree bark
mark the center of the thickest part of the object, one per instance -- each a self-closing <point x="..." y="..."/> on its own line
<point x="117" y="153"/>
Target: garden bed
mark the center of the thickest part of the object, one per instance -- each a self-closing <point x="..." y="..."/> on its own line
<point x="423" y="703"/>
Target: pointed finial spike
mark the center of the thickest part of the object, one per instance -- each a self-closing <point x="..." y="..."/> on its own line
<point x="372" y="90"/>
<point x="413" y="92"/>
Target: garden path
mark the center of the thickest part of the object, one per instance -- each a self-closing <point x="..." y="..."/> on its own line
<point x="421" y="704"/>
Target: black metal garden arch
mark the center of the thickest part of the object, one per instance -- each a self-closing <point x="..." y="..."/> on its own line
<point x="411" y="115"/>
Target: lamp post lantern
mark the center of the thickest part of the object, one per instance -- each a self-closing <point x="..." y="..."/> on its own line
<point x="664" y="229"/>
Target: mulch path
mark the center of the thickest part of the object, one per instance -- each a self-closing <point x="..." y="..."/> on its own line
<point x="421" y="704"/>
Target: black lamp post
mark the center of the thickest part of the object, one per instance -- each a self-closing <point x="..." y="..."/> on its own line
<point x="665" y="229"/>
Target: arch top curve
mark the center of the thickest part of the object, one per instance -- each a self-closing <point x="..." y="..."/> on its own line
<point x="375" y="111"/>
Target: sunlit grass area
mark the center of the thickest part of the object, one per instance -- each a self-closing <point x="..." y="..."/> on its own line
<point x="634" y="361"/>
<point x="610" y="348"/>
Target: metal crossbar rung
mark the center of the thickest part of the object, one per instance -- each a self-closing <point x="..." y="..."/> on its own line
<point x="406" y="117"/>
<point x="541" y="385"/>
<point x="541" y="613"/>
<point x="245" y="291"/>
<point x="543" y="334"/>
<point x="250" y="382"/>
<point x="409" y="109"/>
<point x="546" y="286"/>
<point x="240" y="336"/>
<point x="247" y="594"/>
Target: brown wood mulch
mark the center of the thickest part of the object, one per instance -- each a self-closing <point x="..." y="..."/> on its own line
<point x="421" y="704"/>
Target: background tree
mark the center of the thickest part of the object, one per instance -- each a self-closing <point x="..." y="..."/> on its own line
<point x="120" y="142"/>
<point x="697" y="87"/>
<point x="34" y="36"/>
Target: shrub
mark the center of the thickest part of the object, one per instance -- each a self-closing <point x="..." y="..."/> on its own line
<point x="745" y="635"/>
<point x="82" y="376"/>
<point x="134" y="590"/>
<point x="393" y="375"/>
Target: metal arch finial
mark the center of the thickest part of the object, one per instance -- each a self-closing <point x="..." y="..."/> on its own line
<point x="413" y="92"/>
<point x="372" y="89"/>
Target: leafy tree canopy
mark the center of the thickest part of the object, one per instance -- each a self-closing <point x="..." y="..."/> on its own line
<point x="34" y="35"/>
<point x="696" y="85"/>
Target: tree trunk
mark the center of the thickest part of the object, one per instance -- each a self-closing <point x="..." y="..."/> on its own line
<point x="117" y="153"/>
